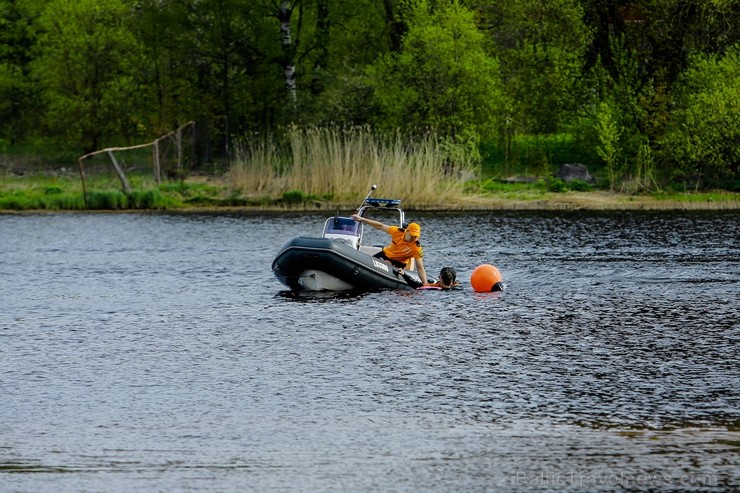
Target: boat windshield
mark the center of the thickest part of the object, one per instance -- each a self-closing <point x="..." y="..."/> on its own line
<point x="340" y="226"/>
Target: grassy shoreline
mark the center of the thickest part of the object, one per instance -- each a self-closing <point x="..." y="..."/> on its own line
<point x="434" y="173"/>
<point x="55" y="191"/>
<point x="329" y="169"/>
<point x="49" y="193"/>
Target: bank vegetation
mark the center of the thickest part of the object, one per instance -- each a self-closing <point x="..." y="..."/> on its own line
<point x="457" y="92"/>
<point x="333" y="169"/>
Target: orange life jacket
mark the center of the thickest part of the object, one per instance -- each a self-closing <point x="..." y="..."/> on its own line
<point x="401" y="250"/>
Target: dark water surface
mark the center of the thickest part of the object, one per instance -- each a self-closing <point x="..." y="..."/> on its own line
<point x="157" y="352"/>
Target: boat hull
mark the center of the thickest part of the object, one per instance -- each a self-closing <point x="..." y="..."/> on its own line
<point x="302" y="263"/>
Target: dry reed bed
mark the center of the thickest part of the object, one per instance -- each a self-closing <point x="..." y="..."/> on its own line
<point x="341" y="164"/>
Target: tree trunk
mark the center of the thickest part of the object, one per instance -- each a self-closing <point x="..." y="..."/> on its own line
<point x="321" y="65"/>
<point x="604" y="15"/>
<point x="396" y="26"/>
<point x="284" y="12"/>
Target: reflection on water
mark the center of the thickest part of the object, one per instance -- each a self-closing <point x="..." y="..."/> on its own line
<point x="320" y="296"/>
<point x="158" y="352"/>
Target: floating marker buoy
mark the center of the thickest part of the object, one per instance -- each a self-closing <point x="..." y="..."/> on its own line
<point x="486" y="278"/>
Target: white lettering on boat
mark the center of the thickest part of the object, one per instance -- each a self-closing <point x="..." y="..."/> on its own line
<point x="380" y="265"/>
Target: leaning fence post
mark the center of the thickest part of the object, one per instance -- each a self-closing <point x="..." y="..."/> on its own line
<point x="82" y="178"/>
<point x="178" y="143"/>
<point x="157" y="167"/>
<point x="119" y="170"/>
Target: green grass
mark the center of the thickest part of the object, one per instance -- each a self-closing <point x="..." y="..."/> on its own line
<point x="96" y="200"/>
<point x="695" y="197"/>
<point x="540" y="155"/>
<point x="556" y="185"/>
<point x="57" y="193"/>
<point x="64" y="193"/>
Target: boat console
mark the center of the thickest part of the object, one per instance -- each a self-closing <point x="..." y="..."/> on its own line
<point x="343" y="229"/>
<point x="349" y="231"/>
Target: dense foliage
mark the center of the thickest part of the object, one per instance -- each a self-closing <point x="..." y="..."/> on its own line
<point x="646" y="90"/>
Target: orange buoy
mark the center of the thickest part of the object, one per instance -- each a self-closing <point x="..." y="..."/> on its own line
<point x="485" y="278"/>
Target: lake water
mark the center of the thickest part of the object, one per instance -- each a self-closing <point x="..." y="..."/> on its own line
<point x="157" y="352"/>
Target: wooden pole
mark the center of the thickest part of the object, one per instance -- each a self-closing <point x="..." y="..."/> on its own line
<point x="178" y="142"/>
<point x="84" y="188"/>
<point x="121" y="175"/>
<point x="157" y="168"/>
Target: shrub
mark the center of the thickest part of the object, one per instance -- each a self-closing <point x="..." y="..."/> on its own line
<point x="579" y="185"/>
<point x="52" y="190"/>
<point x="110" y="200"/>
<point x="293" y="197"/>
<point x="556" y="185"/>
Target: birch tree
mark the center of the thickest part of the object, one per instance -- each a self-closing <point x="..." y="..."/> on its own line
<point x="284" y="12"/>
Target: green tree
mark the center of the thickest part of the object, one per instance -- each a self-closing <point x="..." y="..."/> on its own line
<point x="703" y="142"/>
<point x="337" y="41"/>
<point x="671" y="32"/>
<point x="19" y="108"/>
<point x="442" y="78"/>
<point x="170" y="68"/>
<point x="541" y="47"/>
<point x="88" y="64"/>
<point x="209" y="61"/>
<point x="225" y="61"/>
<point x="607" y="129"/>
<point x="643" y="46"/>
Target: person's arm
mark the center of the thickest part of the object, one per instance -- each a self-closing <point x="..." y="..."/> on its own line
<point x="370" y="222"/>
<point x="420" y="270"/>
<point x="410" y="280"/>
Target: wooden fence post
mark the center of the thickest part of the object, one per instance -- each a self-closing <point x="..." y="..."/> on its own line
<point x="84" y="186"/>
<point x="178" y="143"/>
<point x="157" y="167"/>
<point x="121" y="175"/>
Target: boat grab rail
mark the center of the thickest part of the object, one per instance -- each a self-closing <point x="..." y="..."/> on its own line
<point x="386" y="205"/>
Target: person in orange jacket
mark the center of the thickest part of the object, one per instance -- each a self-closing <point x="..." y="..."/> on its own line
<point x="404" y="245"/>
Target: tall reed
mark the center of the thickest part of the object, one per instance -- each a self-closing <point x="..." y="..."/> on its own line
<point x="341" y="163"/>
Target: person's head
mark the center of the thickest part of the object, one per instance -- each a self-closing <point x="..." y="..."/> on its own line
<point x="414" y="231"/>
<point x="447" y="277"/>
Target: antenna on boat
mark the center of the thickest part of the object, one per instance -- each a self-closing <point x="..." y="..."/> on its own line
<point x="372" y="189"/>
